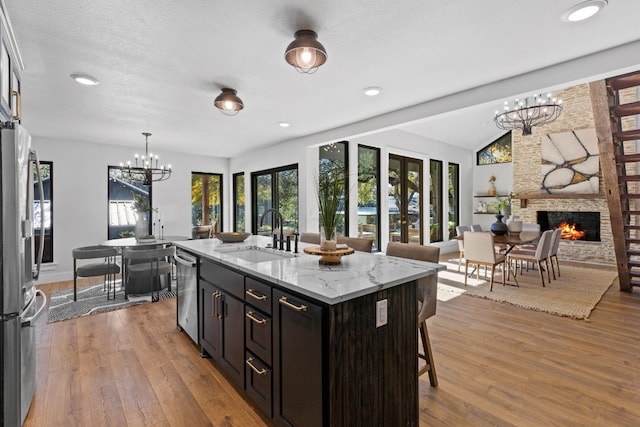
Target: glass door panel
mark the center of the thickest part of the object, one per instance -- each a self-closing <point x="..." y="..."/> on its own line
<point x="405" y="187"/>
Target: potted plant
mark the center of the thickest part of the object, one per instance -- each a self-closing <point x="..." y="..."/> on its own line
<point x="329" y="193"/>
<point x="500" y="206"/>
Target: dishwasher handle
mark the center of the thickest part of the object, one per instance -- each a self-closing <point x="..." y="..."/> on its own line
<point x="185" y="260"/>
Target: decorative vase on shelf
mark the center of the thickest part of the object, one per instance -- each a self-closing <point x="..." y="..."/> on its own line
<point x="328" y="239"/>
<point x="492" y="189"/>
<point x="142" y="225"/>
<point x="499" y="228"/>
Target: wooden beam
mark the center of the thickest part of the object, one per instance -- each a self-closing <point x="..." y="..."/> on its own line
<point x="600" y="105"/>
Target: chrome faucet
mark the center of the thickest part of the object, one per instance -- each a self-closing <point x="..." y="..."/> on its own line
<point x="275" y="211"/>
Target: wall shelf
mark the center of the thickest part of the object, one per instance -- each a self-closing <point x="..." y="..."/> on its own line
<point x="486" y="195"/>
<point x="524" y="197"/>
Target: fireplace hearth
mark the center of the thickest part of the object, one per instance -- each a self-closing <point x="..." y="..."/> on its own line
<point x="582" y="226"/>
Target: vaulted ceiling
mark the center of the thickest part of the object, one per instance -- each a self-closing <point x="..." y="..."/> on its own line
<point x="162" y="63"/>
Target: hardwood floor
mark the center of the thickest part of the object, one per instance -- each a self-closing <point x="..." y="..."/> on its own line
<point x="497" y="365"/>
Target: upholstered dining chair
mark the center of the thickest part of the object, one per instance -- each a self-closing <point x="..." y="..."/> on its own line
<point x="460" y="229"/>
<point x="356" y="243"/>
<point x="426" y="292"/>
<point x="313" y="238"/>
<point x="107" y="267"/>
<point x="145" y="268"/>
<point x="553" y="251"/>
<point x="539" y="256"/>
<point x="476" y="227"/>
<point x="479" y="249"/>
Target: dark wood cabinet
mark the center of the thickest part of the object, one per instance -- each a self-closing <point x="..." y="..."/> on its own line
<point x="297" y="367"/>
<point x="222" y="319"/>
<point x="305" y="363"/>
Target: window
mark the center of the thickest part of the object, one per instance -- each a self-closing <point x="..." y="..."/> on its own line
<point x="43" y="224"/>
<point x="206" y="200"/>
<point x="122" y="194"/>
<point x="499" y="151"/>
<point x="369" y="194"/>
<point x="238" y="201"/>
<point x="334" y="160"/>
<point x="277" y="189"/>
<point x="435" y="200"/>
<point x="454" y="198"/>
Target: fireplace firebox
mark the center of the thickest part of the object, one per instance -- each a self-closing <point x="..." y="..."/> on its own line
<point x="583" y="226"/>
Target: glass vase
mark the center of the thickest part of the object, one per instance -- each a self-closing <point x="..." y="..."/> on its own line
<point x="328" y="238"/>
<point x="142" y="225"/>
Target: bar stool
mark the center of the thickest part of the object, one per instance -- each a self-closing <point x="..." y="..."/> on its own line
<point x="107" y="268"/>
<point x="426" y="290"/>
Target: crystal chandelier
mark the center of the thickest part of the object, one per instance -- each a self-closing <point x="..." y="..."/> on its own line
<point x="527" y="113"/>
<point x="147" y="168"/>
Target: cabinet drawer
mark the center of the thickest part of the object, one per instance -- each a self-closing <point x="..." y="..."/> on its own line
<point x="258" y="329"/>
<point x="259" y="383"/>
<point x="258" y="294"/>
<point x="223" y="278"/>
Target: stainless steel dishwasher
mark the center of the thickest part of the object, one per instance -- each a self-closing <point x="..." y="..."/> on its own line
<point x="187" y="293"/>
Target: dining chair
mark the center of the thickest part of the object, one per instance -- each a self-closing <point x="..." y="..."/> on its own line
<point x="553" y="252"/>
<point x="313" y="238"/>
<point x="479" y="249"/>
<point x="460" y="229"/>
<point x="539" y="256"/>
<point x="356" y="243"/>
<point x="108" y="267"/>
<point x="426" y="292"/>
<point x="476" y="227"/>
<point x="145" y="268"/>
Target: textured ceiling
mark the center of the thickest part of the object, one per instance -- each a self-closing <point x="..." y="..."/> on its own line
<point x="161" y="64"/>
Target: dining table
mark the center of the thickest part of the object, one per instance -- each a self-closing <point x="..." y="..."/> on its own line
<point x="129" y="242"/>
<point x="510" y="240"/>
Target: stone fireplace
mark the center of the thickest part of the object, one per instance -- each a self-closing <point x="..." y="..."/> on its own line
<point x="527" y="178"/>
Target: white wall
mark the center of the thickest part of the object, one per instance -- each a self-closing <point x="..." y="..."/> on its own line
<point x="80" y="195"/>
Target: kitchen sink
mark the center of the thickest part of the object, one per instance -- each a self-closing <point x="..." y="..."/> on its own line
<point x="256" y="254"/>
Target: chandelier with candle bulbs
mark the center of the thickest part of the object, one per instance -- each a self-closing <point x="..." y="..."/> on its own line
<point x="146" y="168"/>
<point x="529" y="112"/>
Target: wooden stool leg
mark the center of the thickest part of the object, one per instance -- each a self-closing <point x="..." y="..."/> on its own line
<point x="427" y="356"/>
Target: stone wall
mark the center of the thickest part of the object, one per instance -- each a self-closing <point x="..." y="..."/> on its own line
<point x="527" y="176"/>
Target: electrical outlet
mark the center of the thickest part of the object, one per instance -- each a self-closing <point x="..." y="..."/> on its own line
<point x="381" y="313"/>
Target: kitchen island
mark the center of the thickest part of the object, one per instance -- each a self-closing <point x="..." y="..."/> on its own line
<point x="309" y="344"/>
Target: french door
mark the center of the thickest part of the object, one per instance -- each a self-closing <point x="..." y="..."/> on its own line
<point x="405" y="188"/>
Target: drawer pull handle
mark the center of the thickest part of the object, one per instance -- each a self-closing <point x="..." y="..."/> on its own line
<point x="252" y="316"/>
<point x="252" y="294"/>
<point x="254" y="368"/>
<point x="284" y="301"/>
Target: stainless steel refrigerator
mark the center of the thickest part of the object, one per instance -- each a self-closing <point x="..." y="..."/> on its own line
<point x="21" y="303"/>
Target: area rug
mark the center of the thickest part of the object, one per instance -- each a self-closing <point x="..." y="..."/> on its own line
<point x="91" y="300"/>
<point x="574" y="294"/>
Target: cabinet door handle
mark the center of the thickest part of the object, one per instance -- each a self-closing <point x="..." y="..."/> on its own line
<point x="252" y="294"/>
<point x="214" y="305"/>
<point x="285" y="302"/>
<point x="251" y="315"/>
<point x="254" y="368"/>
<point x="220" y="305"/>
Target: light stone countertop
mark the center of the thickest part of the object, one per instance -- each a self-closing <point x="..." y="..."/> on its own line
<point x="358" y="274"/>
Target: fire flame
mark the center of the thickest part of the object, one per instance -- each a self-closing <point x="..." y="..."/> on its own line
<point x="569" y="231"/>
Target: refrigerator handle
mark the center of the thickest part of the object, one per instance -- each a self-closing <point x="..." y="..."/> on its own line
<point x="33" y="157"/>
<point x="29" y="320"/>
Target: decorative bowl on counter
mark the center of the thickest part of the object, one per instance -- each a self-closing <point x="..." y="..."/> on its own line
<point x="232" y="236"/>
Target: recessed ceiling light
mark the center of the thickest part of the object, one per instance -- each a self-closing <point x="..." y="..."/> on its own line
<point x="85" y="79"/>
<point x="584" y="10"/>
<point x="371" y="91"/>
<point x="284" y="124"/>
